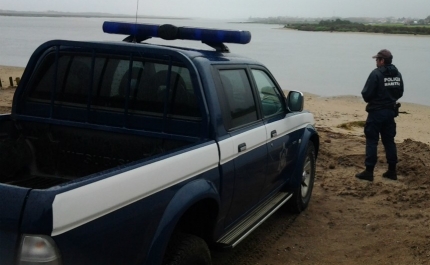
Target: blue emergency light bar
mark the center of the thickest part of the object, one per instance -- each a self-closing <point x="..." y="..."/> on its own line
<point x="140" y="32"/>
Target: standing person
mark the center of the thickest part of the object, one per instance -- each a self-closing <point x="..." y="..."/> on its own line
<point x="383" y="88"/>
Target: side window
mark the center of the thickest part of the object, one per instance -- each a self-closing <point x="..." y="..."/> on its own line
<point x="239" y="95"/>
<point x="269" y="95"/>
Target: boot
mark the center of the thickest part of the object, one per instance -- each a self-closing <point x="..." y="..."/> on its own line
<point x="365" y="175"/>
<point x="390" y="174"/>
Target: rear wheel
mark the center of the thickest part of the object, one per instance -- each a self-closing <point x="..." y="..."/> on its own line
<point x="186" y="249"/>
<point x="302" y="194"/>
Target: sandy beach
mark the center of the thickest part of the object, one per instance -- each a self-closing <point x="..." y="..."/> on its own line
<point x="332" y="112"/>
<point x="348" y="221"/>
<point x="10" y="71"/>
<point x="6" y="90"/>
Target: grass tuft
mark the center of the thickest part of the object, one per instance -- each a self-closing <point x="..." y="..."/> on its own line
<point x="350" y="125"/>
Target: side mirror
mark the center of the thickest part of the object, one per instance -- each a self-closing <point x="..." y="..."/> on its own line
<point x="294" y="101"/>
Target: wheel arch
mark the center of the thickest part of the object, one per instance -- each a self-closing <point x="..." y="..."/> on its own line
<point x="195" y="197"/>
<point x="315" y="140"/>
<point x="309" y="135"/>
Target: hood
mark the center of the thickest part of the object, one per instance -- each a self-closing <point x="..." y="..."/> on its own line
<point x="389" y="70"/>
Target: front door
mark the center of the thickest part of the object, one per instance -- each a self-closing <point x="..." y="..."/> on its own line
<point x="282" y="140"/>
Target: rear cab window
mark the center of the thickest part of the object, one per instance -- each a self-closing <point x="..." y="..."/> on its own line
<point x="110" y="89"/>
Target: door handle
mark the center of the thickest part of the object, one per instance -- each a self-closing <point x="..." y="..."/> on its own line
<point x="241" y="147"/>
<point x="273" y="133"/>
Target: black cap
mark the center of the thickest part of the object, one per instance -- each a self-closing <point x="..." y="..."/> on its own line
<point x="386" y="54"/>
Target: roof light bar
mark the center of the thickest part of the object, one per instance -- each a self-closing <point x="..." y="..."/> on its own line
<point x="170" y="32"/>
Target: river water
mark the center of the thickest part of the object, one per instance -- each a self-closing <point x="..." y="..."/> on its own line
<point x="323" y="63"/>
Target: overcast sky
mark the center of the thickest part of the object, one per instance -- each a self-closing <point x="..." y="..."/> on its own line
<point x="228" y="9"/>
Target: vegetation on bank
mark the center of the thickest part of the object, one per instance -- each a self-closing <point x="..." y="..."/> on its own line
<point x="339" y="25"/>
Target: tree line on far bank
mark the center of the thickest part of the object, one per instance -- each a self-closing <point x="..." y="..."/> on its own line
<point x="339" y="25"/>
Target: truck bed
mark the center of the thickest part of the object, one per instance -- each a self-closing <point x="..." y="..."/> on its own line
<point x="42" y="155"/>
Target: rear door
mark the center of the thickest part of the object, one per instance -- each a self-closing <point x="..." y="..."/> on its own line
<point x="12" y="202"/>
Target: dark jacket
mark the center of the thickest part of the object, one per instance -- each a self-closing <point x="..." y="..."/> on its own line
<point x="383" y="88"/>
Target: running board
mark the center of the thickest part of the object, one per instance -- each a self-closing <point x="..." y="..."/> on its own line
<point x="240" y="231"/>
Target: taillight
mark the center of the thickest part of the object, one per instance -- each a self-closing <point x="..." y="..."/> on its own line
<point x="37" y="250"/>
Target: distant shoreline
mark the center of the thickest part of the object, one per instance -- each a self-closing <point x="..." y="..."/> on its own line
<point x="364" y="33"/>
<point x="8" y="13"/>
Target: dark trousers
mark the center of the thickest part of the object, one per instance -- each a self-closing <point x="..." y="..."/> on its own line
<point x="380" y="122"/>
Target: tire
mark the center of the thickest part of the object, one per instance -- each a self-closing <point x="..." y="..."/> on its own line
<point x="302" y="195"/>
<point x="186" y="249"/>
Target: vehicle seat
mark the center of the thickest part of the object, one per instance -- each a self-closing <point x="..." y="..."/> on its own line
<point x="136" y="73"/>
<point x="155" y="91"/>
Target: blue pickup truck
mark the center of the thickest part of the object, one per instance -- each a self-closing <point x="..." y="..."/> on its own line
<point x="135" y="153"/>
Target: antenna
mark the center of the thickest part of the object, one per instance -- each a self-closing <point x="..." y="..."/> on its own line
<point x="137" y="9"/>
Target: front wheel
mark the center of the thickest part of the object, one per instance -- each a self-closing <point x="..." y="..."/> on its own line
<point x="302" y="195"/>
<point x="186" y="249"/>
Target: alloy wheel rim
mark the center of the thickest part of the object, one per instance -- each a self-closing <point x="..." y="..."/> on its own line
<point x="306" y="177"/>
